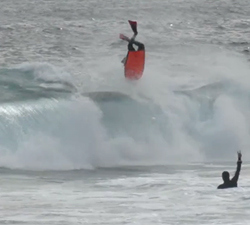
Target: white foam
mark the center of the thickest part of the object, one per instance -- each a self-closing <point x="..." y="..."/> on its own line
<point x="72" y="134"/>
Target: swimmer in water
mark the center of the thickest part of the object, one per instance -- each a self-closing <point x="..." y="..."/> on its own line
<point x="226" y="176"/>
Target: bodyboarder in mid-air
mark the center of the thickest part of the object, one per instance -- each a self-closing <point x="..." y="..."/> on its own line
<point x="135" y="60"/>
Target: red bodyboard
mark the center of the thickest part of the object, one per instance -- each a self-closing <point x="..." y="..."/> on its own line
<point x="134" y="65"/>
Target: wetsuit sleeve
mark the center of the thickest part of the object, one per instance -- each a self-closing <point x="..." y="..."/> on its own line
<point x="140" y="45"/>
<point x="130" y="46"/>
<point x="137" y="43"/>
<point x="237" y="173"/>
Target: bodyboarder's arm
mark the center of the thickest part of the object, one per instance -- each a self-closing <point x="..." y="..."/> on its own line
<point x="237" y="173"/>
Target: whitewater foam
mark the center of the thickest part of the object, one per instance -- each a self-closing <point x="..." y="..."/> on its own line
<point x="151" y="124"/>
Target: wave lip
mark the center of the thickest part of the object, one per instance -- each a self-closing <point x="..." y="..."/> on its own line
<point x="33" y="81"/>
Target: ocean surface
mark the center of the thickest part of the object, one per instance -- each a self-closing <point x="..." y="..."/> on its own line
<point x="80" y="144"/>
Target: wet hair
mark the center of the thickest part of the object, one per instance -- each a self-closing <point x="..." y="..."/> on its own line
<point x="225" y="176"/>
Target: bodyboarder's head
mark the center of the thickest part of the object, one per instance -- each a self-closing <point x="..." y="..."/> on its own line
<point x="225" y="176"/>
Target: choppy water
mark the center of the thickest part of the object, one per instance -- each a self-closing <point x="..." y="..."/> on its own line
<point x="81" y="145"/>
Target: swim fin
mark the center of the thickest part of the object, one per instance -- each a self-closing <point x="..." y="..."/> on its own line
<point x="133" y="25"/>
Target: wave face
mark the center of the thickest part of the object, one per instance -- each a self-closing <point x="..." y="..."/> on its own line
<point x="49" y="124"/>
<point x="33" y="81"/>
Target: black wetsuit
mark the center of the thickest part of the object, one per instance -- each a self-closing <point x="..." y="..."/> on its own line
<point x="233" y="182"/>
<point x="141" y="46"/>
<point x="132" y="42"/>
